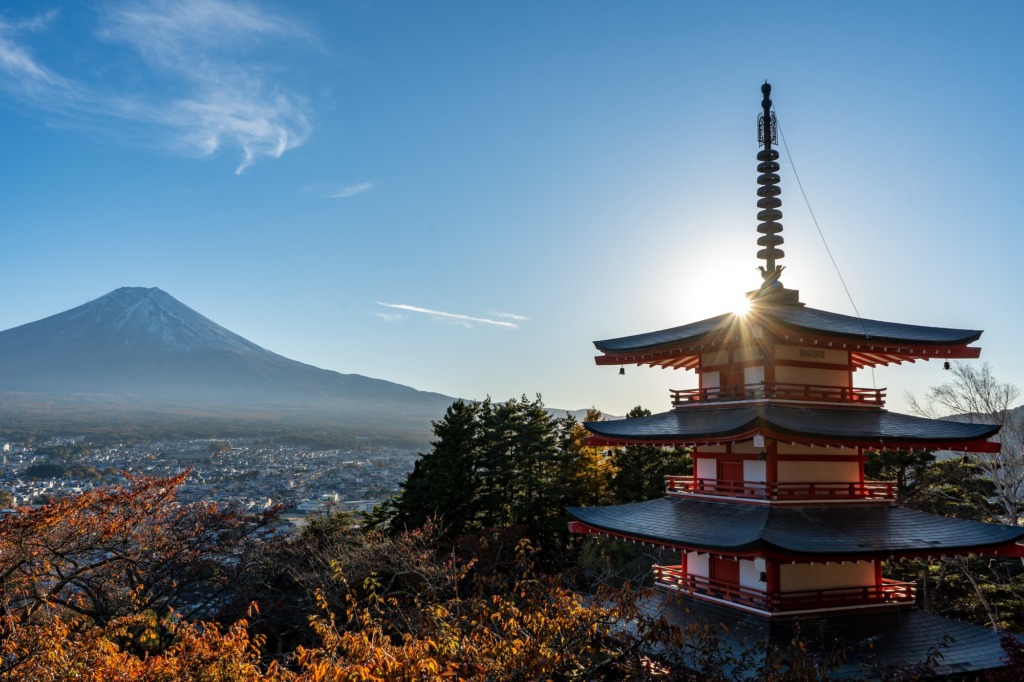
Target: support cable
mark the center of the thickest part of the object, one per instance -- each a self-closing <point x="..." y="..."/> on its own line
<point x="815" y="220"/>
<point x="821" y="234"/>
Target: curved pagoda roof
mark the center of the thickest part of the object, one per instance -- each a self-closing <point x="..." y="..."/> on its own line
<point x="870" y="342"/>
<point x="812" y="531"/>
<point x="825" y="425"/>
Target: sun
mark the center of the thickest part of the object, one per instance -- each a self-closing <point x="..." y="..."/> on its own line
<point x="740" y="306"/>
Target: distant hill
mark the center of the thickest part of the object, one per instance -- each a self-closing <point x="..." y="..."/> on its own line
<point x="138" y="360"/>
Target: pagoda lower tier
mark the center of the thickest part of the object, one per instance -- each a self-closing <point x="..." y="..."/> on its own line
<point x="826" y="532"/>
<point x="791" y="560"/>
<point x="868" y="645"/>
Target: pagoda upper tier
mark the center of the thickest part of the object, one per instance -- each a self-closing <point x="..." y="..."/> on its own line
<point x="868" y="342"/>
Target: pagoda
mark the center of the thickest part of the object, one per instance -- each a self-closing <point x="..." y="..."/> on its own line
<point x="778" y="522"/>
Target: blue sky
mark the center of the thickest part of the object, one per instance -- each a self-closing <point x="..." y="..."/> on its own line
<point x="461" y="196"/>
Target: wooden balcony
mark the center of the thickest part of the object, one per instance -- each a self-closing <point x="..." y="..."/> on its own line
<point x="756" y="490"/>
<point x="674" y="578"/>
<point x="889" y="592"/>
<point x="776" y="391"/>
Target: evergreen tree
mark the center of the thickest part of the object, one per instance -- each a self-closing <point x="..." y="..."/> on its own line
<point x="953" y="487"/>
<point x="901" y="466"/>
<point x="444" y="482"/>
<point x="641" y="469"/>
<point x="587" y="471"/>
<point x="519" y="469"/>
<point x="502" y="465"/>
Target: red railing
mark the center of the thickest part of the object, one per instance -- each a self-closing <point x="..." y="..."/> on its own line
<point x="777" y="391"/>
<point x="889" y="592"/>
<point x="818" y="490"/>
<point x="674" y="577"/>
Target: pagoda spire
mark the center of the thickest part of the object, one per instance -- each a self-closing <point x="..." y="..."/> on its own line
<point x="769" y="202"/>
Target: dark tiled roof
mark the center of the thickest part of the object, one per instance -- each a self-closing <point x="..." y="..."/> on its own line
<point x="714" y="525"/>
<point x="875" y="642"/>
<point x="813" y="320"/>
<point x="687" y="332"/>
<point x="696" y="424"/>
<point x="798" y="318"/>
<point x="816" y="530"/>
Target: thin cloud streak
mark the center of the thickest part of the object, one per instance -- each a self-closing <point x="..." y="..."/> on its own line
<point x="351" y="190"/>
<point x="511" y="316"/>
<point x="189" y="47"/>
<point x="464" y="319"/>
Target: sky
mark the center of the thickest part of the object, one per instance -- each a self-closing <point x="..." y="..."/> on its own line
<point x="462" y="196"/>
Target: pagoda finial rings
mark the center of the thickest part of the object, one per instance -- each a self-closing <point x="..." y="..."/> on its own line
<point x="769" y="253"/>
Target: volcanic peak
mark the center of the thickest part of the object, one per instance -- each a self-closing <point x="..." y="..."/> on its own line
<point x="130" y="318"/>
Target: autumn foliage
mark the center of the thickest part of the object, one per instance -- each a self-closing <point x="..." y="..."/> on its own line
<point x="128" y="584"/>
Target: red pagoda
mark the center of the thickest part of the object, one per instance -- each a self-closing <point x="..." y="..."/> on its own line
<point x="778" y="522"/>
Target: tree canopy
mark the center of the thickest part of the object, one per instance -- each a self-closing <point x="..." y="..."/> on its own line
<point x="511" y="464"/>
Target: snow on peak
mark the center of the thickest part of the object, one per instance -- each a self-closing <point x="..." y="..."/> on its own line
<point x="133" y="318"/>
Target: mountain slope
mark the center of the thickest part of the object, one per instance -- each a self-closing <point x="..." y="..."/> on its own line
<point x="145" y="348"/>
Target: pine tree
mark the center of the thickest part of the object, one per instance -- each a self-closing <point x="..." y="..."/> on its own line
<point x="445" y="481"/>
<point x="641" y="469"/>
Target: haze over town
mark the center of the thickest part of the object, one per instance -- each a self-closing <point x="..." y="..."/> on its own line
<point x="460" y="197"/>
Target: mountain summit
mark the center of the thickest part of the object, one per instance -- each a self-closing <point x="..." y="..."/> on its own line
<point x="142" y="347"/>
<point x="127" y="319"/>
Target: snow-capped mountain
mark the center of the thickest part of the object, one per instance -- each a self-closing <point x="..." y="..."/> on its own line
<point x="144" y="346"/>
<point x="127" y="319"/>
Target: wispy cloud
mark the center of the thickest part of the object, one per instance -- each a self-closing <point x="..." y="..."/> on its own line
<point x="22" y="70"/>
<point x="336" y="191"/>
<point x="465" y="320"/>
<point x="511" y="316"/>
<point x="351" y="190"/>
<point x="203" y="81"/>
